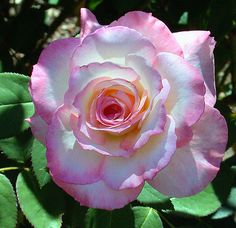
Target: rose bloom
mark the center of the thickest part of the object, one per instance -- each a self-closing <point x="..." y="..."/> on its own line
<point x="127" y="103"/>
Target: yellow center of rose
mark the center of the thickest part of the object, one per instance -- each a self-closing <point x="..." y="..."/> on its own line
<point x="117" y="105"/>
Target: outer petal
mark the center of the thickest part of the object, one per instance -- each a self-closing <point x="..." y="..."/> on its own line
<point x="67" y="161"/>
<point x="89" y="23"/>
<point x="39" y="127"/>
<point x="152" y="28"/>
<point x="113" y="44"/>
<point x="185" y="102"/>
<point x="144" y="164"/>
<point x="50" y="76"/>
<point x="198" y="50"/>
<point x="99" y="195"/>
<point x="193" y="166"/>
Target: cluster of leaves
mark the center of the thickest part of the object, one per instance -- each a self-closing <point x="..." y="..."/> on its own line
<point x="28" y="197"/>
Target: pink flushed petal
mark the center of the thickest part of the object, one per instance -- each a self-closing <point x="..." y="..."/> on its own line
<point x="193" y="166"/>
<point x="184" y="134"/>
<point x="198" y="49"/>
<point x="153" y="29"/>
<point x="66" y="159"/>
<point x="50" y="76"/>
<point x="153" y="124"/>
<point x="82" y="99"/>
<point x="119" y="97"/>
<point x="113" y="44"/>
<point x="149" y="77"/>
<point x="144" y="164"/>
<point x="110" y="112"/>
<point x="121" y="129"/>
<point x="89" y="23"/>
<point x="38" y="127"/>
<point x="185" y="102"/>
<point x="100" y="142"/>
<point x="95" y="73"/>
<point x="124" y="98"/>
<point x="99" y="195"/>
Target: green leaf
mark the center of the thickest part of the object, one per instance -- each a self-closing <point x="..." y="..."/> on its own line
<point x="151" y="196"/>
<point x="42" y="207"/>
<point x="231" y="201"/>
<point x="201" y="204"/>
<point x="18" y="148"/>
<point x="92" y="5"/>
<point x="211" y="198"/>
<point x="15" y="104"/>
<point x="8" y="209"/>
<point x="183" y="19"/>
<point x="146" y="217"/>
<point x="39" y="163"/>
<point x="230" y="204"/>
<point x="53" y="2"/>
<point x="223" y="212"/>
<point x="109" y="219"/>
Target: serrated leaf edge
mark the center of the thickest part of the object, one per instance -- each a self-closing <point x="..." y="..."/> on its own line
<point x="14" y="195"/>
<point x="18" y="199"/>
<point x="38" y="181"/>
<point x="150" y="210"/>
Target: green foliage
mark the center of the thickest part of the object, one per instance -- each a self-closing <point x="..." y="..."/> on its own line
<point x="15" y="104"/>
<point x="109" y="219"/>
<point x="18" y="147"/>
<point x="222" y="213"/>
<point x="42" y="207"/>
<point x="146" y="217"/>
<point x="53" y="2"/>
<point x="210" y="199"/>
<point x="201" y="204"/>
<point x="8" y="209"/>
<point x="39" y="163"/>
<point x="151" y="196"/>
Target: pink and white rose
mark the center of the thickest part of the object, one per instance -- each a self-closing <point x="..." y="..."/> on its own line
<point x="127" y="103"/>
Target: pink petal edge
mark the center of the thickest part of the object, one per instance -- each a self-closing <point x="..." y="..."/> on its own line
<point x="198" y="49"/>
<point x="196" y="164"/>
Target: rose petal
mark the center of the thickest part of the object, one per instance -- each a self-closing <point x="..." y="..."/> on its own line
<point x="185" y="102"/>
<point x="88" y="23"/>
<point x="102" y="143"/>
<point x="50" y="76"/>
<point x="116" y="84"/>
<point x="152" y="28"/>
<point x="67" y="161"/>
<point x="38" y="127"/>
<point x="144" y="164"/>
<point x="193" y="166"/>
<point x="113" y="44"/>
<point x="149" y="77"/>
<point x="153" y="124"/>
<point x="94" y="73"/>
<point x="99" y="195"/>
<point x="198" y="50"/>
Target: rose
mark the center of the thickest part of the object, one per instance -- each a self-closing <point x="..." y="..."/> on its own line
<point x="127" y="103"/>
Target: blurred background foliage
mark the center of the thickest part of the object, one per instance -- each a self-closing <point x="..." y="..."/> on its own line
<point x="27" y="26"/>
